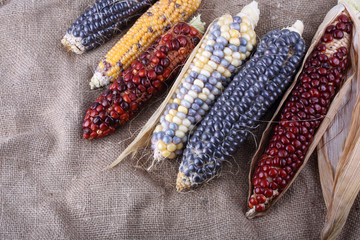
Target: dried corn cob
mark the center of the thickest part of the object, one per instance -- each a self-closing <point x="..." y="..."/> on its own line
<point x="157" y="20"/>
<point x="228" y="43"/>
<point x="303" y="112"/>
<point x="142" y="80"/>
<point x="254" y="89"/>
<point x="100" y="22"/>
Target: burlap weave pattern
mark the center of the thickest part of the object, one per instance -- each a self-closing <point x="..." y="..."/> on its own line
<point x="52" y="185"/>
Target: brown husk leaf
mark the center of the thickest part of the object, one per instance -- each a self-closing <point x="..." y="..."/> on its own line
<point x="339" y="150"/>
<point x="330" y="17"/>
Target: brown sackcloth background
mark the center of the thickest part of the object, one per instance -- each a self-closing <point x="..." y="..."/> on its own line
<point x="52" y="185"/>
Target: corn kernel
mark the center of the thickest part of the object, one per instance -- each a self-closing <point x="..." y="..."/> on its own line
<point x="206" y="91"/>
<point x="246" y="36"/>
<point x="199" y="83"/>
<point x="234" y="33"/>
<point x="224" y="28"/>
<point x="205" y="107"/>
<point x="206" y="54"/>
<point x="172" y="112"/>
<point x="179" y="146"/>
<point x="165" y="153"/>
<point x="249" y="47"/>
<point x="168" y="118"/>
<point x="211" y="97"/>
<point x="177" y="101"/>
<point x="208" y="68"/>
<point x="205" y="73"/>
<point x="221" y="69"/>
<point x="176" y="120"/>
<point x="225" y="35"/>
<point x="228" y="58"/>
<point x="161" y="145"/>
<point x="235" y="41"/>
<point x="212" y="64"/>
<point x="186" y="122"/>
<point x="202" y="96"/>
<point x="158" y="128"/>
<point x="183" y="128"/>
<point x="179" y="134"/>
<point x="192" y="93"/>
<point x="189" y="98"/>
<point x="236" y="62"/>
<point x="183" y="109"/>
<point x="171" y="147"/>
<point x="227" y="51"/>
<point x="172" y="155"/>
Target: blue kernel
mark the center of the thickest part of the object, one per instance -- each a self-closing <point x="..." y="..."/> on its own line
<point x="174" y="106"/>
<point x="202" y="77"/>
<point x="213" y="81"/>
<point x="185" y="104"/>
<point x="181" y="115"/>
<point x="176" y="140"/>
<point x="218" y="46"/>
<point x="218" y="53"/>
<point x="198" y="118"/>
<point x="221" y="40"/>
<point x="225" y="63"/>
<point x="235" y="26"/>
<point x="215" y="27"/>
<point x="237" y="19"/>
<point x="196" y="88"/>
<point x="183" y="90"/>
<point x="243" y="49"/>
<point x="198" y="101"/>
<point x="160" y="135"/>
<point x="243" y="41"/>
<point x="192" y="168"/>
<point x="211" y="37"/>
<point x="166" y="139"/>
<point x="216" y="33"/>
<point x="209" y="86"/>
<point x="233" y="48"/>
<point x="187" y="173"/>
<point x="189" y="79"/>
<point x="201" y="111"/>
<point x="191" y="119"/>
<point x="215" y="59"/>
<point x="193" y="74"/>
<point x="209" y="48"/>
<point x="173" y="126"/>
<point x="191" y="112"/>
<point x="170" y="132"/>
<point x="216" y="74"/>
<point x="195" y="106"/>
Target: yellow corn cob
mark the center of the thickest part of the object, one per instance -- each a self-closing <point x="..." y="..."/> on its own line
<point x="140" y="36"/>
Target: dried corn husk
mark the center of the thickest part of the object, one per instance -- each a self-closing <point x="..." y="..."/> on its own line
<point x="329" y="18"/>
<point x="339" y="148"/>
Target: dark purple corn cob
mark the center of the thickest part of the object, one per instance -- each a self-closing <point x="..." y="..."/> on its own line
<point x="101" y="21"/>
<point x="253" y="90"/>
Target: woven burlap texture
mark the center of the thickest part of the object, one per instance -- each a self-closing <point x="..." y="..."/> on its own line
<point x="52" y="185"/>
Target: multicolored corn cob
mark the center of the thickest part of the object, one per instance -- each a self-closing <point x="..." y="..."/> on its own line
<point x="156" y="21"/>
<point x="302" y="114"/>
<point x="224" y="48"/>
<point x="254" y="89"/>
<point x="143" y="79"/>
<point x="100" y="22"/>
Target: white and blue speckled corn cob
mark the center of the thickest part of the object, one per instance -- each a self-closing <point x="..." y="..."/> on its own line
<point x="227" y="44"/>
<point x="254" y="89"/>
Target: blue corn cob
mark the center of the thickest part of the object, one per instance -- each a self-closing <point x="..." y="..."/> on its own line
<point x="226" y="45"/>
<point x="101" y="21"/>
<point x="254" y="89"/>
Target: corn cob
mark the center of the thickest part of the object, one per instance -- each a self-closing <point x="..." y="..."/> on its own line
<point x="226" y="45"/>
<point x="254" y="89"/>
<point x="303" y="112"/>
<point x="100" y="22"/>
<point x="143" y="79"/>
<point x="157" y="20"/>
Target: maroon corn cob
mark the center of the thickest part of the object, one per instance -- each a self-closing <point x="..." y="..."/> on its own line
<point x="140" y="82"/>
<point x="302" y="114"/>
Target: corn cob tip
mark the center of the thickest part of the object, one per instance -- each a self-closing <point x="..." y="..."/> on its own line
<point x="99" y="80"/>
<point x="354" y="4"/>
<point x="73" y="43"/>
<point x="250" y="214"/>
<point x="252" y="12"/>
<point x="198" y="24"/>
<point x="298" y="27"/>
<point x="182" y="182"/>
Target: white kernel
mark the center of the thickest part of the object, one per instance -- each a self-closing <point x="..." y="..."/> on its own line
<point x="186" y="85"/>
<point x="228" y="58"/>
<point x="202" y="96"/>
<point x="243" y="56"/>
<point x="219" y="85"/>
<point x="168" y="118"/>
<point x="246" y="36"/>
<point x="206" y="91"/>
<point x="208" y="68"/>
<point x="192" y="93"/>
<point x="203" y="59"/>
<point x="183" y="128"/>
<point x="183" y="110"/>
<point x="249" y="47"/>
<point x="236" y="62"/>
<point x="199" y="83"/>
<point x="172" y="112"/>
<point x="221" y="69"/>
<point x="189" y="98"/>
<point x="244" y="27"/>
<point x="198" y="55"/>
<point x="224" y="28"/>
<point x="225" y="35"/>
<point x="251" y="33"/>
<point x="227" y="51"/>
<point x="245" y="20"/>
<point x="228" y="19"/>
<point x="158" y="128"/>
<point x="205" y="73"/>
<point x="212" y="64"/>
<point x="227" y="73"/>
<point x="211" y="97"/>
<point x="205" y="107"/>
<point x="236" y="55"/>
<point x="176" y="120"/>
<point x="253" y="41"/>
<point x="206" y="54"/>
<point x="235" y="41"/>
<point x="195" y="69"/>
<point x="247" y="54"/>
<point x="179" y="134"/>
<point x="186" y="122"/>
<point x="210" y="42"/>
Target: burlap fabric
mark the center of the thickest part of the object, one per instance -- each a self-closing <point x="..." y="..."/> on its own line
<point x="52" y="184"/>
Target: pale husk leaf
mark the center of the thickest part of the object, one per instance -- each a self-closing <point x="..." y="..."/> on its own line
<point x="344" y="183"/>
<point x="330" y="17"/>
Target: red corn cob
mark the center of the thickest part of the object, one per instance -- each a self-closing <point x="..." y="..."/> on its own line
<point x="302" y="114"/>
<point x="141" y="81"/>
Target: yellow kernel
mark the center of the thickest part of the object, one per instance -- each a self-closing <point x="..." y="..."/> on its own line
<point x="206" y="54"/>
<point x="208" y="68"/>
<point x="245" y="20"/>
<point x="158" y="128"/>
<point x="172" y="112"/>
<point x="168" y="118"/>
<point x="171" y="147"/>
<point x="177" y="101"/>
<point x="244" y="27"/>
<point x="165" y="153"/>
<point x="221" y="69"/>
<point x="227" y="73"/>
<point x="224" y="28"/>
<point x="249" y="47"/>
<point x="228" y="58"/>
<point x="183" y="109"/>
<point x="179" y="134"/>
<point x="179" y="146"/>
<point x="202" y="96"/>
<point x="161" y="145"/>
<point x="225" y="35"/>
<point x="235" y="41"/>
<point x="234" y="33"/>
<point x="236" y="62"/>
<point x="199" y="64"/>
<point x="172" y="155"/>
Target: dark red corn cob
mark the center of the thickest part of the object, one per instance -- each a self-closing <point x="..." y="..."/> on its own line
<point x="142" y="80"/>
<point x="302" y="114"/>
